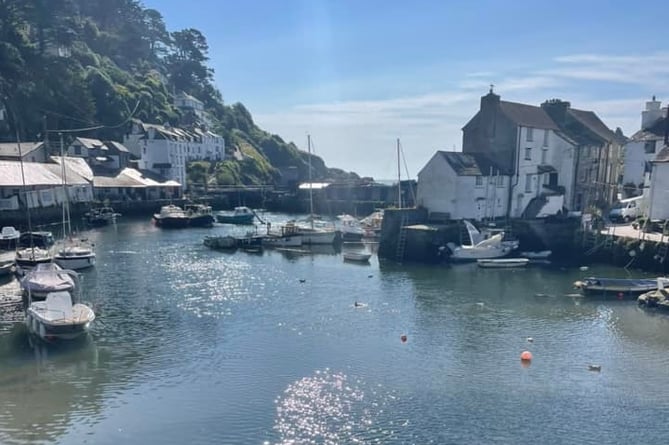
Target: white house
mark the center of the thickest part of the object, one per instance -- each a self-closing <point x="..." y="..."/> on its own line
<point x="166" y="150"/>
<point x="658" y="207"/>
<point x="30" y="151"/>
<point x="463" y="185"/>
<point x="644" y="145"/>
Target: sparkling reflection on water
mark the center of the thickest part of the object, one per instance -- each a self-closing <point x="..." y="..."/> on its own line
<point x="196" y="346"/>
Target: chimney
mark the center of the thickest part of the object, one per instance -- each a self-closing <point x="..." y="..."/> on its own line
<point x="651" y="114"/>
<point x="556" y="109"/>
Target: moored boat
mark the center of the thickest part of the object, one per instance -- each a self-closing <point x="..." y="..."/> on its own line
<point x="45" y="278"/>
<point x="240" y="215"/>
<point x="616" y="287"/>
<point x="9" y="237"/>
<point x="75" y="256"/>
<point x="59" y="316"/>
<point x="656" y="299"/>
<point x="480" y="247"/>
<point x="359" y="257"/>
<point x="171" y="216"/>
<point x="101" y="216"/>
<point x="503" y="262"/>
<point x="199" y="215"/>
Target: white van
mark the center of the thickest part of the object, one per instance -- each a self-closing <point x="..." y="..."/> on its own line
<point x="626" y="210"/>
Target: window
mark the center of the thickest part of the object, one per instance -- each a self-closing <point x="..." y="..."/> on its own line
<point x="528" y="183"/>
<point x="544" y="155"/>
<point x="77" y="150"/>
<point x="479" y="181"/>
<point x="649" y="147"/>
<point x="530" y="136"/>
<point x="528" y="154"/>
<point x="546" y="138"/>
<point x="500" y="181"/>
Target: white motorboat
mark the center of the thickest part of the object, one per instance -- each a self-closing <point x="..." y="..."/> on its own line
<point x="350" y="227"/>
<point x="28" y="258"/>
<point x="46" y="278"/>
<point x="503" y="262"/>
<point x="359" y="257"/>
<point x="75" y="256"/>
<point x="6" y="267"/>
<point x="481" y="247"/>
<point x="59" y="316"/>
<point x="9" y="237"/>
<point x="372" y="224"/>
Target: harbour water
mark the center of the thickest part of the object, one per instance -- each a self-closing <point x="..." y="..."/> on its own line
<point x="201" y="347"/>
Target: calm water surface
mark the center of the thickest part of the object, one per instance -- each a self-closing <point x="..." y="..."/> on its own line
<point x="201" y="347"/>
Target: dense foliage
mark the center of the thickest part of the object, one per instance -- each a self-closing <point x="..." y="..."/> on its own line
<point x="70" y="64"/>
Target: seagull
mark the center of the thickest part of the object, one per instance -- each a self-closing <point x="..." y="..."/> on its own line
<point x="595" y="368"/>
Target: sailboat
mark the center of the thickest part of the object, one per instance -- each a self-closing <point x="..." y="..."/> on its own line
<point x="310" y="233"/>
<point x="74" y="254"/>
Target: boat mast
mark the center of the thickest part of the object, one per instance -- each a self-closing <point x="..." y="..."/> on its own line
<point x="399" y="177"/>
<point x="311" y="191"/>
<point x="66" y="200"/>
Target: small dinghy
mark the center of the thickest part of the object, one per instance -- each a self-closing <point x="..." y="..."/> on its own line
<point x="358" y="257"/>
<point x="503" y="262"/>
<point x="618" y="287"/>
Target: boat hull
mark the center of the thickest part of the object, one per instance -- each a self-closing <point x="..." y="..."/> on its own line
<point x="201" y="221"/>
<point x="235" y="219"/>
<point x="77" y="262"/>
<point x="51" y="331"/>
<point x="171" y="223"/>
<point x="318" y="237"/>
<point x="356" y="257"/>
<point x="616" y="287"/>
<point x="283" y="241"/>
<point x="503" y="263"/>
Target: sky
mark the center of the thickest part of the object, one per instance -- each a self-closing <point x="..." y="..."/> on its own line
<point x="359" y="74"/>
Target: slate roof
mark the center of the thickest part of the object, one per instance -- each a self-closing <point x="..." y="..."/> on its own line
<point x="90" y="143"/>
<point x="653" y="133"/>
<point x="471" y="164"/>
<point x="116" y="147"/>
<point x="79" y="165"/>
<point x="11" y="149"/>
<point x="71" y="176"/>
<point x="527" y="115"/>
<point x="590" y="120"/>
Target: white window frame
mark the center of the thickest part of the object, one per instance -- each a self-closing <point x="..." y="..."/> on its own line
<point x="528" y="183"/>
<point x="528" y="153"/>
<point x="479" y="181"/>
<point x="529" y="134"/>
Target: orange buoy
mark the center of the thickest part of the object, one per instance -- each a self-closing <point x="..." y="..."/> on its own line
<point x="403" y="338"/>
<point x="526" y="356"/>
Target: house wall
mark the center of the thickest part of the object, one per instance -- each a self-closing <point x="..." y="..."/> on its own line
<point x="659" y="191"/>
<point x="636" y="159"/>
<point x="441" y="190"/>
<point x="491" y="133"/>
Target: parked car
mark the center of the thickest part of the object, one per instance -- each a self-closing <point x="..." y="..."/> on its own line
<point x="626" y="210"/>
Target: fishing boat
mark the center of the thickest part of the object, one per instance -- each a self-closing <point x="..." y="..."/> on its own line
<point x="101" y="216"/>
<point x="199" y="215"/>
<point x="171" y="217"/>
<point x="59" y="316"/>
<point x="45" y="278"/>
<point x="617" y="287"/>
<point x="9" y="237"/>
<point x="358" y="257"/>
<point x="240" y="215"/>
<point x="656" y="299"/>
<point x="480" y="247"/>
<point x="286" y="236"/>
<point x="503" y="262"/>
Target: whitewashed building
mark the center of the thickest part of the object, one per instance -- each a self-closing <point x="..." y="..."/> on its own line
<point x="458" y="185"/>
<point x="165" y="150"/>
<point x="29" y="151"/>
<point x="658" y="206"/>
<point x="644" y="145"/>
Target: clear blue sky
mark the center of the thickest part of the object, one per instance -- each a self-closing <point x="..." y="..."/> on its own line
<point x="359" y="74"/>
